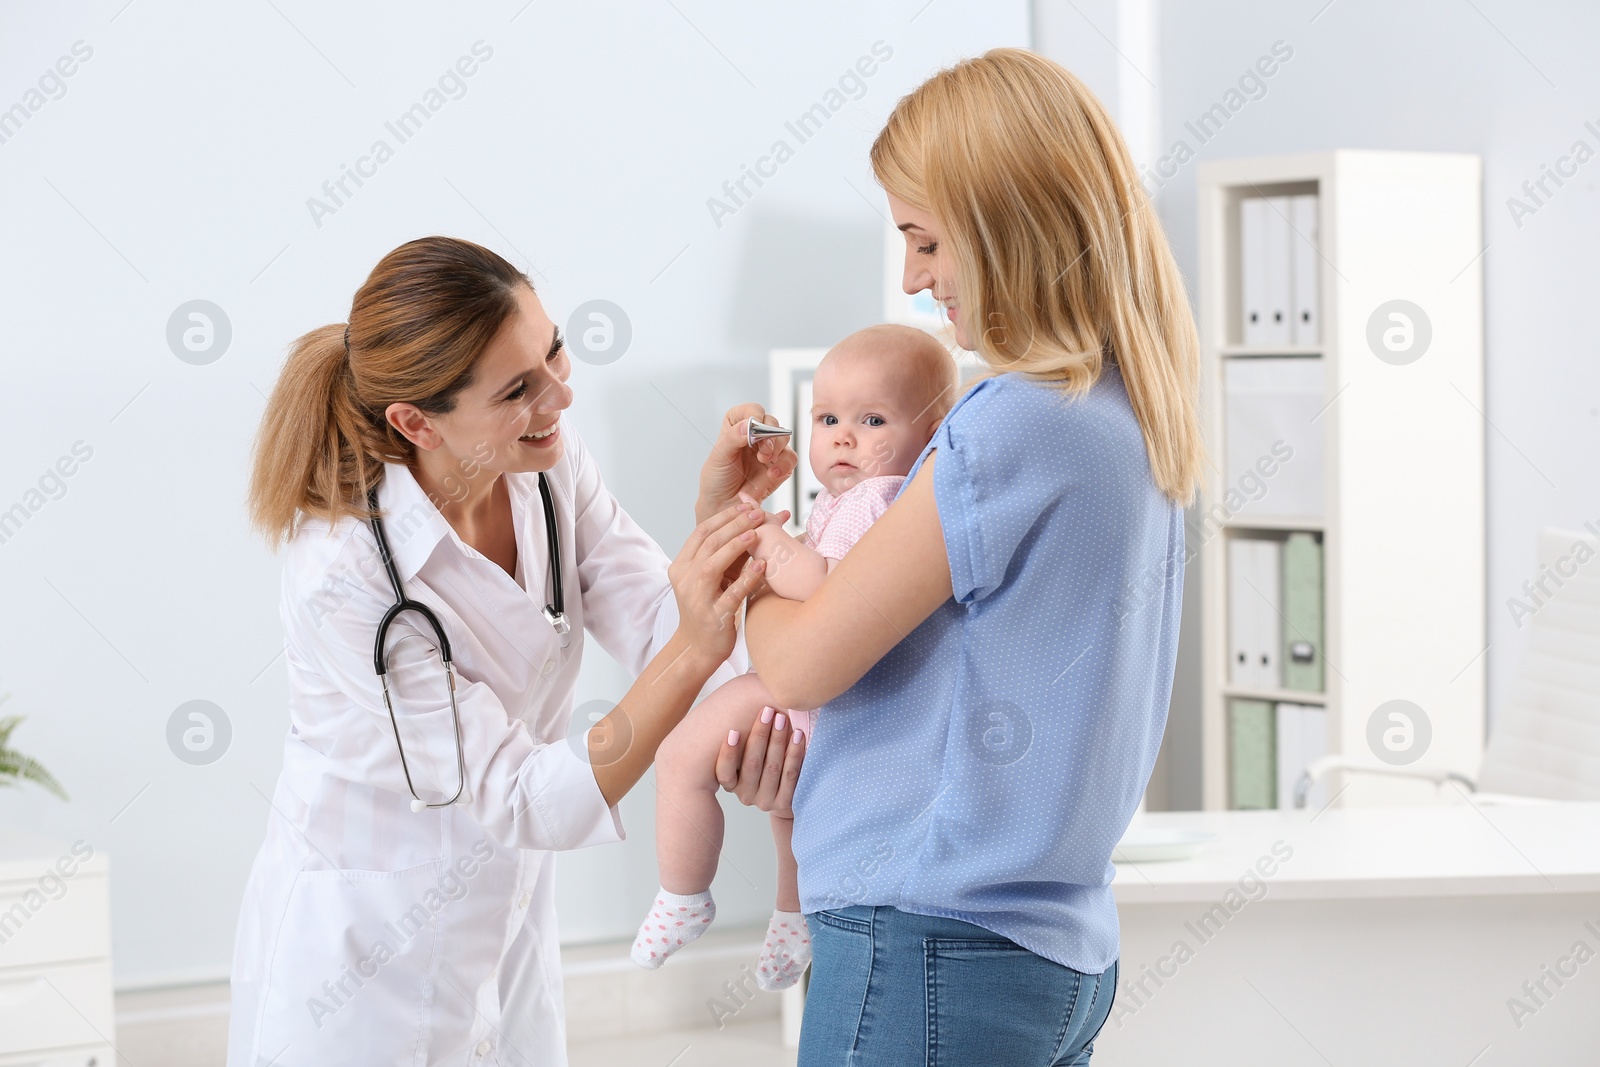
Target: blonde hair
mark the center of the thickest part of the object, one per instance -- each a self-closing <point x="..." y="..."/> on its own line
<point x="917" y="354"/>
<point x="417" y="327"/>
<point x="1058" y="253"/>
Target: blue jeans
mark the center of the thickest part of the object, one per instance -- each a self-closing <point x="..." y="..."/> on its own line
<point x="889" y="987"/>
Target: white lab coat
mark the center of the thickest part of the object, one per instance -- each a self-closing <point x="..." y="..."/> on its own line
<point x="370" y="934"/>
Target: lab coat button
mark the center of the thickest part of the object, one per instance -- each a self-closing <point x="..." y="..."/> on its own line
<point x="525" y="900"/>
<point x="549" y="665"/>
<point x="484" y="1047"/>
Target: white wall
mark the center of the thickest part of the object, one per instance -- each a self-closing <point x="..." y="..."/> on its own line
<point x="177" y="163"/>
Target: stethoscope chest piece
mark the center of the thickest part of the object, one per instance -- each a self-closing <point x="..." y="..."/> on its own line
<point x="560" y="625"/>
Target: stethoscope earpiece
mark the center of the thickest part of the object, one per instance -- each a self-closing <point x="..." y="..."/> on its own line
<point x="419" y="806"/>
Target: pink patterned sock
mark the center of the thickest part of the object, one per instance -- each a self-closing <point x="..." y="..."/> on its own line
<point x="787" y="952"/>
<point x="674" y="921"/>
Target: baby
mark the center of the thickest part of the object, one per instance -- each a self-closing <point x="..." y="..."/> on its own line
<point x="878" y="396"/>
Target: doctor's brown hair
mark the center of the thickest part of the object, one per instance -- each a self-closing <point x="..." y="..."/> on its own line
<point x="417" y="327"/>
<point x="1058" y="253"/>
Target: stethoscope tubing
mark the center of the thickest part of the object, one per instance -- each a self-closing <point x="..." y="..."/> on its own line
<point x="554" y="611"/>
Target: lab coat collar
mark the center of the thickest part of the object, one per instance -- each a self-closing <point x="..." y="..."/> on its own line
<point x="414" y="524"/>
<point x="411" y="521"/>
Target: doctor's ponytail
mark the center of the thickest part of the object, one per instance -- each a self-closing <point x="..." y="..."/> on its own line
<point x="417" y="327"/>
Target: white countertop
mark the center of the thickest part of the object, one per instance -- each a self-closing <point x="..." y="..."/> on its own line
<point x="1351" y="853"/>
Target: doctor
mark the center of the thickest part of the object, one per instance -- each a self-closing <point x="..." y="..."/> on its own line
<point x="373" y="932"/>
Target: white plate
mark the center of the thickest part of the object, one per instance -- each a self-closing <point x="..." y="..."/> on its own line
<point x="1155" y="844"/>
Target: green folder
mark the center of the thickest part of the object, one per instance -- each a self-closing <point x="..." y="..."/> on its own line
<point x="1302" y="613"/>
<point x="1252" y="754"/>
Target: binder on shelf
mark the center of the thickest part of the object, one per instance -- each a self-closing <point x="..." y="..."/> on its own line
<point x="1255" y="626"/>
<point x="1302" y="613"/>
<point x="1252" y="269"/>
<point x="1274" y="435"/>
<point x="1301" y="738"/>
<point x="1277" y="266"/>
<point x="1241" y="618"/>
<point x="1268" y="595"/>
<point x="1252" y="755"/>
<point x="1306" y="322"/>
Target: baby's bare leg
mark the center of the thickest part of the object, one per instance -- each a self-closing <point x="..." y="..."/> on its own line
<point x="788" y="870"/>
<point x="688" y="816"/>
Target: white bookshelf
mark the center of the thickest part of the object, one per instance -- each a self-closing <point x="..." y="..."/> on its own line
<point x="1402" y="523"/>
<point x="56" y="1007"/>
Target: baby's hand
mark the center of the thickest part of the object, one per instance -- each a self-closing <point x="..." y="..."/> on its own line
<point x="767" y="516"/>
<point x="773" y="543"/>
<point x="769" y="520"/>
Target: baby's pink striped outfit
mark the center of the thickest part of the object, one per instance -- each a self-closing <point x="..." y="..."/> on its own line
<point x="835" y="524"/>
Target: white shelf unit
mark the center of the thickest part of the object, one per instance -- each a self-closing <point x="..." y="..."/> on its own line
<point x="55" y="954"/>
<point x="1403" y="452"/>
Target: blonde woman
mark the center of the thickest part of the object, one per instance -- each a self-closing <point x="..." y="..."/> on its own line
<point x="996" y="653"/>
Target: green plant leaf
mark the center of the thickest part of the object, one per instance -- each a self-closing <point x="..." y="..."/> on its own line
<point x="16" y="767"/>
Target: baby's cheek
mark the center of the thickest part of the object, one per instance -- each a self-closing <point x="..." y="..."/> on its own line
<point x="892" y="454"/>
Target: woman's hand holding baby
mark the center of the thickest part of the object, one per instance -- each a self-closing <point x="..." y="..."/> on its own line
<point x="763" y="769"/>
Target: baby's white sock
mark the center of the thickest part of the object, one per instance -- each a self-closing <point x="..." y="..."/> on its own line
<point x="674" y="921"/>
<point x="787" y="952"/>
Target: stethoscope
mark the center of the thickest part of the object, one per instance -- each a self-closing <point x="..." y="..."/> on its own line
<point x="554" y="612"/>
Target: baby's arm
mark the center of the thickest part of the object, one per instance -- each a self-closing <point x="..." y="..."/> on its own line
<point x="794" y="569"/>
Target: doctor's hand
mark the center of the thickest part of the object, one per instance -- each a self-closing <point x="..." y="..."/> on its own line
<point x="711" y="578"/>
<point x="763" y="770"/>
<point x="734" y="467"/>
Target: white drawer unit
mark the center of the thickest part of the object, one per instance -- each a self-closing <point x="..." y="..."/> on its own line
<point x="55" y="954"/>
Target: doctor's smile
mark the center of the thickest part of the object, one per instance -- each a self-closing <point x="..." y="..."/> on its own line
<point x="541" y="437"/>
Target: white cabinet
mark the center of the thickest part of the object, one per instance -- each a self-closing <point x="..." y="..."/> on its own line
<point x="55" y="954"/>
